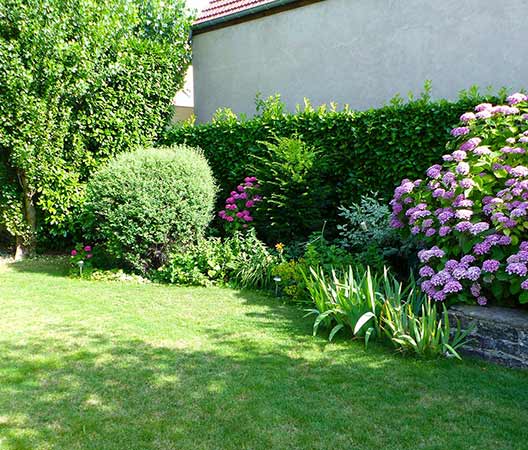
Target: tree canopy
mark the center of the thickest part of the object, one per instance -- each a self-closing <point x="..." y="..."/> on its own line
<point x="80" y="81"/>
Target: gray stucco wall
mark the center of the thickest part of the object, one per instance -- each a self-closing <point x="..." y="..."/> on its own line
<point x="362" y="52"/>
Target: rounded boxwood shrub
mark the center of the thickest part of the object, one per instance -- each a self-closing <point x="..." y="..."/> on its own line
<point x="143" y="203"/>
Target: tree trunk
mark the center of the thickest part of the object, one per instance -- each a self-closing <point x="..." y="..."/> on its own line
<point x="25" y="245"/>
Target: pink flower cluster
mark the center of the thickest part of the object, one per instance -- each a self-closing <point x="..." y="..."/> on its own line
<point x="238" y="205"/>
<point x="79" y="252"/>
<point x="473" y="208"/>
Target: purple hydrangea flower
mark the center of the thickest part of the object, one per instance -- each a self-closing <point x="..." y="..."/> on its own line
<point x="444" y="231"/>
<point x="439" y="192"/>
<point x="516" y="98"/>
<point x="466" y="117"/>
<point x="467" y="183"/>
<point x="459" y="273"/>
<point x="486" y="114"/>
<point x="467" y="259"/>
<point x="396" y="223"/>
<point x="439" y="296"/>
<point x="475" y="290"/>
<point x="426" y="271"/>
<point x="524" y="285"/>
<point x="483" y="107"/>
<point x="478" y="228"/>
<point x="462" y="227"/>
<point x="462" y="168"/>
<point x="427" y="287"/>
<point x="482" y="301"/>
<point x="482" y="151"/>
<point x="459" y="155"/>
<point x="481" y="248"/>
<point x="463" y="214"/>
<point x="460" y="131"/>
<point x="470" y="144"/>
<point x="452" y="287"/>
<point x="434" y="171"/>
<point x="430" y="232"/>
<point x="517" y="269"/>
<point x="449" y="177"/>
<point x="433" y="252"/>
<point x="519" y="171"/>
<point x="473" y="273"/>
<point x="441" y="278"/>
<point x="451" y="265"/>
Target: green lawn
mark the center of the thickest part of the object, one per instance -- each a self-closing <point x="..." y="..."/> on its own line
<point x="101" y="365"/>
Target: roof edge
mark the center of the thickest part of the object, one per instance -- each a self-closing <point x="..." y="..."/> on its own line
<point x="256" y="12"/>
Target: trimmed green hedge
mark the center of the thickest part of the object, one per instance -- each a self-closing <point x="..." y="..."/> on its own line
<point x="361" y="151"/>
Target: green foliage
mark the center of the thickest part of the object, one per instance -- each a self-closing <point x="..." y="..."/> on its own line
<point x="370" y="305"/>
<point x="144" y="203"/>
<point x="207" y="262"/>
<point x="366" y="232"/>
<point x="361" y="151"/>
<point x="253" y="262"/>
<point x="424" y="334"/>
<point x="82" y="80"/>
<point x="241" y="260"/>
<point x="352" y="301"/>
<point x="365" y="223"/>
<point x="318" y="253"/>
<point x="293" y="190"/>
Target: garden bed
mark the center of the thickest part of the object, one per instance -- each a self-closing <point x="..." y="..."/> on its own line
<point x="500" y="334"/>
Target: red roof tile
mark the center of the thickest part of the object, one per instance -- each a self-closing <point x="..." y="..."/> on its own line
<point x="222" y="8"/>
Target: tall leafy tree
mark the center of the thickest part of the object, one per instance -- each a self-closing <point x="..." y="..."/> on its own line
<point x="80" y="80"/>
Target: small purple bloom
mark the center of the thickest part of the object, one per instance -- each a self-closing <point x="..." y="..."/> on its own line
<point x="486" y="114"/>
<point x="517" y="269"/>
<point x="516" y="98"/>
<point x="459" y="131"/>
<point x="462" y="227"/>
<point x="475" y="290"/>
<point x="466" y="117"/>
<point x="426" y="271"/>
<point x="459" y="155"/>
<point x="478" y="228"/>
<point x="467" y="183"/>
<point x="430" y="232"/>
<point x="452" y="287"/>
<point x="482" y="301"/>
<point x="467" y="259"/>
<point x="462" y="168"/>
<point x="482" y="151"/>
<point x="483" y="107"/>
<point x="444" y="231"/>
<point x="470" y="144"/>
<point x="473" y="273"/>
<point x="434" y="171"/>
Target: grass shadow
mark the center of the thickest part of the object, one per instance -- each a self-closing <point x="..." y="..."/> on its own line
<point x="54" y="266"/>
<point x="87" y="391"/>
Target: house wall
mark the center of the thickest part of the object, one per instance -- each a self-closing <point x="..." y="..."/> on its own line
<point x="362" y="52"/>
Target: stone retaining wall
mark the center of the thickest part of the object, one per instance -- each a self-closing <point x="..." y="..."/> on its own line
<point x="500" y="334"/>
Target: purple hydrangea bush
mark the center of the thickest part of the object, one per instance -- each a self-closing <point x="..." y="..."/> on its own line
<point x="471" y="211"/>
<point x="238" y="206"/>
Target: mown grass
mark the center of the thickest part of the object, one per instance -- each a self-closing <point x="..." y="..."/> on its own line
<point x="102" y="365"/>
